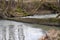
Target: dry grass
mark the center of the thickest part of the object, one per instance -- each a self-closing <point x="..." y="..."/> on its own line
<point x="52" y="35"/>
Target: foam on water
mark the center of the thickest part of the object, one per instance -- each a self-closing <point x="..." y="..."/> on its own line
<point x="42" y="16"/>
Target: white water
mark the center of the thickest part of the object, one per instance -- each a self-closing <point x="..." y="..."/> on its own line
<point x="42" y="16"/>
<point x="10" y="30"/>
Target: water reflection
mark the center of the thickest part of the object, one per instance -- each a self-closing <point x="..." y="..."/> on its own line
<point x="10" y="30"/>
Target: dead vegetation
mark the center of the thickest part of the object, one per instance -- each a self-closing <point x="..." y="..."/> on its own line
<point x="52" y="35"/>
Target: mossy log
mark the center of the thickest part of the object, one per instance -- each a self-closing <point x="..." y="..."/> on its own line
<point x="49" y="21"/>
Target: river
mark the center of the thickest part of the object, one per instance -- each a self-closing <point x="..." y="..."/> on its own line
<point x="11" y="30"/>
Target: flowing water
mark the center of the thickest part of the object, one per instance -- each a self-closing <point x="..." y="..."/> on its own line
<point x="43" y="16"/>
<point x="11" y="30"/>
